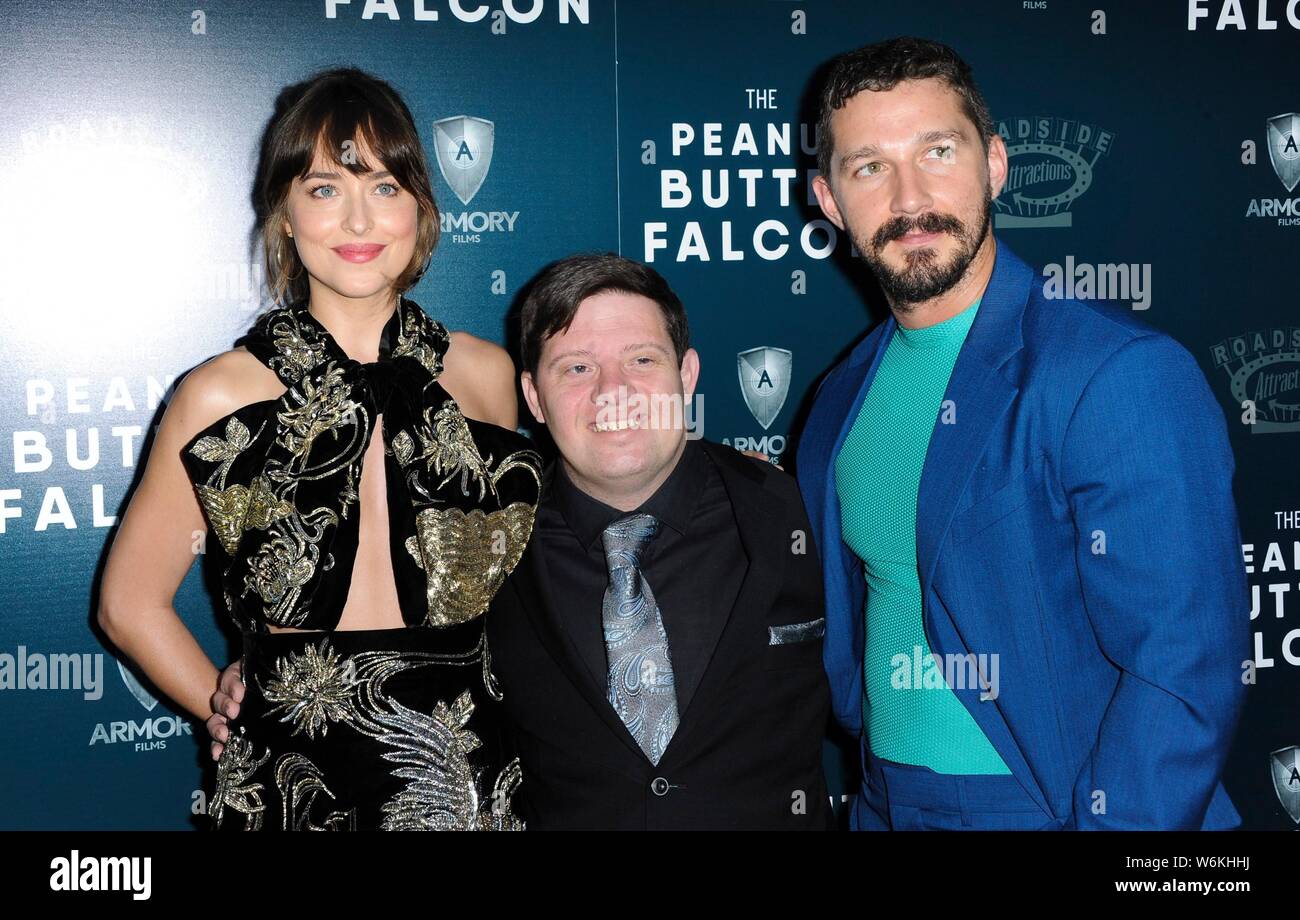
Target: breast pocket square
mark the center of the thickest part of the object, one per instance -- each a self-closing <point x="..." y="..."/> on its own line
<point x="790" y="633"/>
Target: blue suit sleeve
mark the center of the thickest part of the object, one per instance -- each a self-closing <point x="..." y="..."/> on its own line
<point x="1147" y="470"/>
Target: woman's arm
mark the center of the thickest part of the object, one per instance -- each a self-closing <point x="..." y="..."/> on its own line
<point x="158" y="538"/>
<point x="480" y="376"/>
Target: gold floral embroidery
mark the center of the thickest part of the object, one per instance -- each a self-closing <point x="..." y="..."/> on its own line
<point x="403" y="449"/>
<point x="300" y="781"/>
<point x="498" y="815"/>
<point x="234" y="509"/>
<point x="446" y="446"/>
<point x="278" y="572"/>
<point x="224" y="452"/>
<point x="430" y="749"/>
<point x="295" y="355"/>
<point x="234" y="790"/>
<point x="411" y="341"/>
<point x="323" y="406"/>
<point x="314" y="689"/>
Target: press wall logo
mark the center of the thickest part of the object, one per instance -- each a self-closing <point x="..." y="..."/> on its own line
<point x="148" y="734"/>
<point x="137" y="690"/>
<point x="464" y="145"/>
<point x="764" y="374"/>
<point x="1263" y="371"/>
<point x="1050" y="166"/>
<point x="1283" y="139"/>
<point x="1285" y="769"/>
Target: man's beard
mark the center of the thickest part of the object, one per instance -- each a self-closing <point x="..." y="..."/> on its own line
<point x="925" y="277"/>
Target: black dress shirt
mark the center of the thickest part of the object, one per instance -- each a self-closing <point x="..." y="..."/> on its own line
<point x="695" y="561"/>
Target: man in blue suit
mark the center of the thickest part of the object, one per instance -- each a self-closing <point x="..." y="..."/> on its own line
<point x="1037" y="614"/>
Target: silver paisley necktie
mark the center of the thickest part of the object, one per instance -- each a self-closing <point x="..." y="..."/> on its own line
<point x="641" y="688"/>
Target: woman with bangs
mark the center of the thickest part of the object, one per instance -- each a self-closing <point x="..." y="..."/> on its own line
<point x="358" y="569"/>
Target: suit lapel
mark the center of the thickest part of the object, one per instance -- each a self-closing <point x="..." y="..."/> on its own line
<point x="981" y="396"/>
<point x="764" y="552"/>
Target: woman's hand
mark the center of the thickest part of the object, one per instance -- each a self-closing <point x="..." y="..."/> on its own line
<point x="758" y="455"/>
<point x="225" y="706"/>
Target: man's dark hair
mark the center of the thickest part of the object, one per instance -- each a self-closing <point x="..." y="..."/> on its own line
<point x="560" y="289"/>
<point x="883" y="66"/>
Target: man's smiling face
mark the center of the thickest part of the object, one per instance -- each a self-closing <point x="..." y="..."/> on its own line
<point x="599" y="388"/>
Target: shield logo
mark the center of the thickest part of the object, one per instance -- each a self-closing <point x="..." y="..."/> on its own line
<point x="1286" y="779"/>
<point x="142" y="696"/>
<point x="1284" y="148"/>
<point x="764" y="381"/>
<point x="464" y="147"/>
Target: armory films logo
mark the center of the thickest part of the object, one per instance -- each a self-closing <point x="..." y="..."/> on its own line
<point x="146" y="734"/>
<point x="1263" y="370"/>
<point x="764" y="374"/>
<point x="1050" y="166"/>
<point x="1285" y="769"/>
<point x="464" y="146"/>
<point x="764" y="381"/>
<point x="1282" y="137"/>
<point x="137" y="689"/>
<point x="1283" y="150"/>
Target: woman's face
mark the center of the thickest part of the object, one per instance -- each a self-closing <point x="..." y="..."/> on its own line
<point x="354" y="234"/>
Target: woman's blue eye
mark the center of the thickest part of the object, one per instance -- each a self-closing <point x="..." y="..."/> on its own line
<point x="394" y="188"/>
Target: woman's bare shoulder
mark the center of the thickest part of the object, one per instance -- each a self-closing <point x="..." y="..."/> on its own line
<point x="469" y="350"/>
<point x="480" y="376"/>
<point x="219" y="386"/>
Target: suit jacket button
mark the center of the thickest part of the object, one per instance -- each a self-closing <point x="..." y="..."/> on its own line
<point x="659" y="786"/>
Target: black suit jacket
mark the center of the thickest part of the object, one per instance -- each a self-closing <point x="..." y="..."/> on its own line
<point x="747" y="753"/>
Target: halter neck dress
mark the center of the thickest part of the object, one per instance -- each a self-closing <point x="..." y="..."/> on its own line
<point x="356" y="729"/>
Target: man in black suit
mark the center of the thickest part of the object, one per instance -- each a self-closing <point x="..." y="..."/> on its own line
<point x="659" y="644"/>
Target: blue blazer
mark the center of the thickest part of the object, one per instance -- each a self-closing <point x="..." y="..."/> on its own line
<point x="1075" y="518"/>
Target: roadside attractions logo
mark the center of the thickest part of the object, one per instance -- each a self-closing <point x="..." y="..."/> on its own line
<point x="1051" y="164"/>
<point x="1263" y="370"/>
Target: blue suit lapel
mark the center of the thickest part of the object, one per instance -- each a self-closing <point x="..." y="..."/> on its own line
<point x="981" y="396"/>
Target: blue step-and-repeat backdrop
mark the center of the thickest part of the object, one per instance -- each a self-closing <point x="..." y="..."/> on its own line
<point x="1148" y="166"/>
